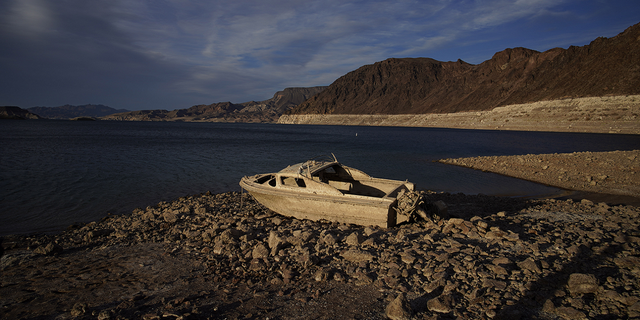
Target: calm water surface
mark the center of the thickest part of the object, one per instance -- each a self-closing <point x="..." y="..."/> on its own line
<point x="55" y="173"/>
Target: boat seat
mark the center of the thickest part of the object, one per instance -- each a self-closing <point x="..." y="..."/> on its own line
<point x="341" y="185"/>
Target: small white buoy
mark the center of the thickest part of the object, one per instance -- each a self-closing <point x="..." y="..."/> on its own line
<point x="356" y="134"/>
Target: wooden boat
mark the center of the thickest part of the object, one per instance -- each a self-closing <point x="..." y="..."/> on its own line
<point x="330" y="190"/>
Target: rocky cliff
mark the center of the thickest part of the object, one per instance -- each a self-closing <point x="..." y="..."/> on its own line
<point x="16" y="113"/>
<point x="252" y="111"/>
<point x="514" y="76"/>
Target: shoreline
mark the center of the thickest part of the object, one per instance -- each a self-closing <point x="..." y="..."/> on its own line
<point x="591" y="174"/>
<point x="611" y="114"/>
<point x="223" y="256"/>
<point x="226" y="256"/>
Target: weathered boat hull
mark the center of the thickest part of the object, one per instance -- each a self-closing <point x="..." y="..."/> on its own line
<point x="328" y="190"/>
<point x="346" y="209"/>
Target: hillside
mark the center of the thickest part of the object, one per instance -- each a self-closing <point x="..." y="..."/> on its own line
<point x="253" y="111"/>
<point x="605" y="67"/>
<point x="69" y="111"/>
<point x="16" y="113"/>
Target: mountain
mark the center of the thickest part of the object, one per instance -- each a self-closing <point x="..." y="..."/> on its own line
<point x="69" y="111"/>
<point x="16" y="113"/>
<point x="195" y="113"/>
<point x="283" y="100"/>
<point x="513" y="76"/>
<point x="252" y="111"/>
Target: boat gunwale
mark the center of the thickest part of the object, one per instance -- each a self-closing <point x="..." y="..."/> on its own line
<point x="291" y="192"/>
<point x="396" y="183"/>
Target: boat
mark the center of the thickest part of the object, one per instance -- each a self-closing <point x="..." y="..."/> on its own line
<point x="327" y="189"/>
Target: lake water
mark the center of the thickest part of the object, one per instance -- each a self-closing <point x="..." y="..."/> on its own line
<point x="55" y="173"/>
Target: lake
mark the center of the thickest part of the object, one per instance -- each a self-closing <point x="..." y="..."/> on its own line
<point x="55" y="173"/>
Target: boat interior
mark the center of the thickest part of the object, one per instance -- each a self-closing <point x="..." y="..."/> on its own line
<point x="347" y="180"/>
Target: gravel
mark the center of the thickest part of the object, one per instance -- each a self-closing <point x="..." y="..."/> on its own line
<point x="224" y="256"/>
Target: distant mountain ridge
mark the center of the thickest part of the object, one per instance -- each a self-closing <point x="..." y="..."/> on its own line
<point x="11" y="112"/>
<point x="605" y="67"/>
<point x="253" y="111"/>
<point x="68" y="111"/>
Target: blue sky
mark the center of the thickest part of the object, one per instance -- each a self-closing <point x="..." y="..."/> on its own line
<point x="172" y="54"/>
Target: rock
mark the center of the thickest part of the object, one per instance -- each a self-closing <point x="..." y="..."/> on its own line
<point x="369" y="231"/>
<point x="549" y="307"/>
<point x="570" y="313"/>
<point x="399" y="309"/>
<point x="287" y="273"/>
<point x="580" y="283"/>
<point x="192" y="234"/>
<point x="300" y="237"/>
<point x="321" y="275"/>
<point x="529" y="264"/>
<point x="260" y="251"/>
<point x="407" y="258"/>
<point x="394" y="272"/>
<point x="495" y="234"/>
<point x="219" y="248"/>
<point x="306" y="259"/>
<point x="91" y="235"/>
<point x="363" y="278"/>
<point x="49" y="249"/>
<point x="586" y="202"/>
<point x="439" y="304"/>
<point x="355" y="255"/>
<point x="329" y="239"/>
<point x="354" y="239"/>
<point x="256" y="265"/>
<point x="627" y="262"/>
<point x="170" y="216"/>
<point x="433" y="285"/>
<point x="148" y="215"/>
<point x="369" y="242"/>
<point x="634" y="309"/>
<point x="495" y="284"/>
<point x="275" y="243"/>
<point x="230" y="235"/>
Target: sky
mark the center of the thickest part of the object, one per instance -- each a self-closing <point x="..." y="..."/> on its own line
<point x="173" y="54"/>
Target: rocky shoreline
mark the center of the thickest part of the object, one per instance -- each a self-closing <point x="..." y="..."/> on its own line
<point x="616" y="172"/>
<point x="610" y="114"/>
<point x="216" y="256"/>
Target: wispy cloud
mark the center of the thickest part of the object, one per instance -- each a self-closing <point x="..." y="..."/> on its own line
<point x="175" y="53"/>
<point x="29" y="18"/>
